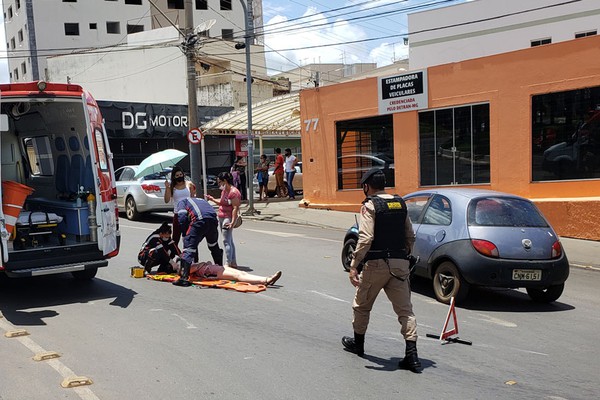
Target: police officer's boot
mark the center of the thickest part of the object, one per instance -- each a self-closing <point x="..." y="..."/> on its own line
<point x="411" y="359"/>
<point x="185" y="274"/>
<point x="356" y="344"/>
<point x="217" y="255"/>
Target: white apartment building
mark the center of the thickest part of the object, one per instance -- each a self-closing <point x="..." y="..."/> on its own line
<point x="485" y="27"/>
<point x="42" y="28"/>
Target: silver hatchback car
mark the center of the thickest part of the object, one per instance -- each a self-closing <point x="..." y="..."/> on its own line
<point x="468" y="237"/>
<point x="141" y="195"/>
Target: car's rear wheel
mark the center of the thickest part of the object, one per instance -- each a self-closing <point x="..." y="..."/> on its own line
<point x="131" y="209"/>
<point x="348" y="253"/>
<point x="85" y="275"/>
<point x="448" y="283"/>
<point x="546" y="295"/>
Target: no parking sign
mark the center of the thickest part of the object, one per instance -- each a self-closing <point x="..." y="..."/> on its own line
<point x="194" y="136"/>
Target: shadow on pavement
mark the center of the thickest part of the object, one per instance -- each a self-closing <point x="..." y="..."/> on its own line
<point x="494" y="299"/>
<point x="19" y="295"/>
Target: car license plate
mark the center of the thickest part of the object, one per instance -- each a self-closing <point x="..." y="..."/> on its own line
<point x="527" y="275"/>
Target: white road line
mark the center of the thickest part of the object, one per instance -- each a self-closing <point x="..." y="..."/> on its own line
<point x="267" y="297"/>
<point x="496" y="321"/>
<point x="83" y="392"/>
<point x="189" y="324"/>
<point x="328" y="296"/>
<point x="136" y="227"/>
<point x="299" y="235"/>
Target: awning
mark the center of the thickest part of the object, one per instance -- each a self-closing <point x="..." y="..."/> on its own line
<point x="278" y="116"/>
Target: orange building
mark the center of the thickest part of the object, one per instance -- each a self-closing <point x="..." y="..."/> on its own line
<point x="525" y="122"/>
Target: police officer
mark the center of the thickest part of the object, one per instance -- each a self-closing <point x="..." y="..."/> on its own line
<point x="385" y="241"/>
<point x="198" y="220"/>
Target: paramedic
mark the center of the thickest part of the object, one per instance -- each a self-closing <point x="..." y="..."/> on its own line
<point x="159" y="249"/>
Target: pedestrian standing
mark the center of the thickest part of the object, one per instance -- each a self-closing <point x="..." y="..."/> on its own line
<point x="385" y="240"/>
<point x="290" y="171"/>
<point x="239" y="167"/>
<point x="229" y="212"/>
<point x="262" y="176"/>
<point x="176" y="190"/>
<point x="279" y="161"/>
<point x="198" y="220"/>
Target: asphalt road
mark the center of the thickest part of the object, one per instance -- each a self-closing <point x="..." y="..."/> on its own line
<point x="141" y="339"/>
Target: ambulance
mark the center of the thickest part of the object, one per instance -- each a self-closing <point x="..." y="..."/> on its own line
<point x="59" y="211"/>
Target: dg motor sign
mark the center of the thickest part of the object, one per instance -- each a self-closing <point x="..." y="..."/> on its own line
<point x="399" y="93"/>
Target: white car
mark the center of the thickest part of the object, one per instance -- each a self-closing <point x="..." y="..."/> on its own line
<point x="141" y="195"/>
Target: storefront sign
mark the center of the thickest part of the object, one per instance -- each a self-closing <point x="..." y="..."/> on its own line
<point x="400" y="93"/>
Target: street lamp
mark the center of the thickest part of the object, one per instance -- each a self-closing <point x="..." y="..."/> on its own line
<point x="248" y="25"/>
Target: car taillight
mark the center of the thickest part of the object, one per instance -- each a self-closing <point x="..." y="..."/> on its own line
<point x="556" y="249"/>
<point x="485" y="247"/>
<point x="150" y="188"/>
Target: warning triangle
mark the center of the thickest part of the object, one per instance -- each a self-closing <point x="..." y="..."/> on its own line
<point x="446" y="333"/>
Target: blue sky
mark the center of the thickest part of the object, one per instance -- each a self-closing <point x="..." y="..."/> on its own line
<point x="327" y="31"/>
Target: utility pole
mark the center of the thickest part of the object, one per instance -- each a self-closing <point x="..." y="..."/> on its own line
<point x="190" y="53"/>
<point x="249" y="33"/>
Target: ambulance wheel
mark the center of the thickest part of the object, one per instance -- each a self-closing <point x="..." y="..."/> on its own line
<point x="85" y="275"/>
<point x="131" y="209"/>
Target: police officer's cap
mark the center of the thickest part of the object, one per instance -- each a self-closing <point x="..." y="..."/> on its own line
<point x="369" y="174"/>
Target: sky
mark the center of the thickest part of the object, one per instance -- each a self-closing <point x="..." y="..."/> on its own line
<point x="346" y="32"/>
<point x="300" y="32"/>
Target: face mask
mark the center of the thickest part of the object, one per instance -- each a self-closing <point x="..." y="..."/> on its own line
<point x="222" y="187"/>
<point x="180" y="179"/>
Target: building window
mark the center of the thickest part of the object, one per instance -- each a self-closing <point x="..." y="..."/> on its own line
<point x="175" y="4"/>
<point x="363" y="144"/>
<point x="20" y="35"/>
<point x="227" y="34"/>
<point x="566" y="135"/>
<point x="71" y="29"/>
<point x="16" y="74"/>
<point x="454" y="146"/>
<point x="201" y="4"/>
<point x="584" y="34"/>
<point x="93" y="25"/>
<point x="539" y="42"/>
<point x="225" y="5"/>
<point x="10" y="13"/>
<point x="12" y="43"/>
<point x="134" y="2"/>
<point x="113" y="27"/>
<point x="135" y="28"/>
<point x="18" y="4"/>
<point x="69" y="1"/>
<point x="23" y="68"/>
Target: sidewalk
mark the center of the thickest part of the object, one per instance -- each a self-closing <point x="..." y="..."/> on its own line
<point x="581" y="253"/>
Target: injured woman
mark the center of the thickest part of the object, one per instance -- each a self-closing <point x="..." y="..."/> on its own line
<point x="214" y="271"/>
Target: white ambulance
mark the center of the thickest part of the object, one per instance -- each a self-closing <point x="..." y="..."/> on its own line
<point x="59" y="211"/>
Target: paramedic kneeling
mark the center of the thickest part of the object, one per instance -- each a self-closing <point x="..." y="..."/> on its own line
<point x="385" y="240"/>
<point x="198" y="220"/>
<point x="159" y="249"/>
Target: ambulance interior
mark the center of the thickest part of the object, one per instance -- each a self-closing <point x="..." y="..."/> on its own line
<point x="46" y="148"/>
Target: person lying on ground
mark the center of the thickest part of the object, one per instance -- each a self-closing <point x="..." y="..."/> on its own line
<point x="215" y="271"/>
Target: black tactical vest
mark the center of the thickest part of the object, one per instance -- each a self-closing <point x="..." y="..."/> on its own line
<point x="389" y="239"/>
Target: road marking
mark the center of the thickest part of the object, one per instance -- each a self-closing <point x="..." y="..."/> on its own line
<point x="298" y="235"/>
<point x="585" y="267"/>
<point x="266" y="297"/>
<point x="189" y="324"/>
<point x="137" y="227"/>
<point x="84" y="393"/>
<point x="328" y="296"/>
<point x="497" y="321"/>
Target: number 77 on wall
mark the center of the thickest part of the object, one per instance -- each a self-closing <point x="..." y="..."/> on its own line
<point x="308" y="122"/>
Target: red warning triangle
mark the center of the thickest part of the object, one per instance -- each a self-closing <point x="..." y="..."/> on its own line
<point x="445" y="332"/>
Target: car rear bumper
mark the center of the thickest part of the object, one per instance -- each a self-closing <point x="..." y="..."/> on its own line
<point x="478" y="269"/>
<point x="153" y="204"/>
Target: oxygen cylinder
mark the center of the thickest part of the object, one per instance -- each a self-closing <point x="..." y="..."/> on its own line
<point x="91" y="200"/>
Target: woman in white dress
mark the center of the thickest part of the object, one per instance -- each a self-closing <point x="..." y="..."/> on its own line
<point x="177" y="190"/>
